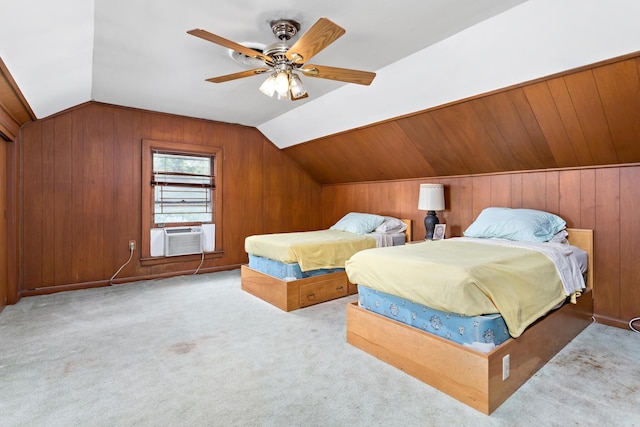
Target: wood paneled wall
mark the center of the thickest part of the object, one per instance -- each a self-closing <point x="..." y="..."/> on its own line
<point x="80" y="194"/>
<point x="604" y="199"/>
<point x="583" y="117"/>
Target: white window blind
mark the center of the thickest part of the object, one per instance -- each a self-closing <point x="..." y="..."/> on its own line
<point x="184" y="186"/>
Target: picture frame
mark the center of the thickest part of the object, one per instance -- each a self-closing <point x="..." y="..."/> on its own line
<point x="438" y="231"/>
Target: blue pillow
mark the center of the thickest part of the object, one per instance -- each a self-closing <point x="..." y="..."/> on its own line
<point x="525" y="225"/>
<point x="359" y="223"/>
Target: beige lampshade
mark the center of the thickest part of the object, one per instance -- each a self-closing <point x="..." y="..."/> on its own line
<point x="431" y="197"/>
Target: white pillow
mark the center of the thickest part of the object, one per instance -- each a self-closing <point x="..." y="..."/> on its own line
<point x="358" y="223"/>
<point x="391" y="225"/>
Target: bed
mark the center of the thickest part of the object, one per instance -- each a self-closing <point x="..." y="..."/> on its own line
<point x="296" y="270"/>
<point x="485" y="375"/>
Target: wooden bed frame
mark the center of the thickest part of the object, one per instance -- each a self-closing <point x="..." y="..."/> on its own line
<point x="475" y="378"/>
<point x="294" y="294"/>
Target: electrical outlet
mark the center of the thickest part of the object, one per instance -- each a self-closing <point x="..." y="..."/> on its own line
<point x="132" y="245"/>
<point x="505" y="367"/>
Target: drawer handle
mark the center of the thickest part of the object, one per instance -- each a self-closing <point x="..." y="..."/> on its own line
<point x="311" y="296"/>
<point x="339" y="288"/>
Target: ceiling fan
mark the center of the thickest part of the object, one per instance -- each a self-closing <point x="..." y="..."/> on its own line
<point x="283" y="62"/>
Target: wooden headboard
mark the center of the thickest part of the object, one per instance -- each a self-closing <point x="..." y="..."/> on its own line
<point x="583" y="239"/>
<point x="408" y="233"/>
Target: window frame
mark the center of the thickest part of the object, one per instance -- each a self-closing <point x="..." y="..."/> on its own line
<point x="159" y="184"/>
<point x="148" y="193"/>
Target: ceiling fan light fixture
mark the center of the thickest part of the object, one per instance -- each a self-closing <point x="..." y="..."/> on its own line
<point x="281" y="60"/>
<point x="282" y="96"/>
<point x="282" y="82"/>
<point x="268" y="87"/>
<point x="297" y="88"/>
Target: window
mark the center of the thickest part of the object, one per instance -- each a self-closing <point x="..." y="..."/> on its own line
<point x="181" y="185"/>
<point x="184" y="187"/>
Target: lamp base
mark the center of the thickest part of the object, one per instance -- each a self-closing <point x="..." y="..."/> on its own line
<point x="430" y="221"/>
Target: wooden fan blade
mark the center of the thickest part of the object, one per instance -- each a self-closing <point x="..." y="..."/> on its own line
<point x="239" y="75"/>
<point x="320" y="35"/>
<point x="251" y="53"/>
<point x="340" y="74"/>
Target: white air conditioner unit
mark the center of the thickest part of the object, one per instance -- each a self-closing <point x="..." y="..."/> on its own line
<point x="182" y="241"/>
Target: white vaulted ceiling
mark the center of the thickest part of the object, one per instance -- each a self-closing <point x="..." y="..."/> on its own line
<point x="137" y="53"/>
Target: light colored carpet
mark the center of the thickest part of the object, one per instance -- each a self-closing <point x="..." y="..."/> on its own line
<point x="198" y="351"/>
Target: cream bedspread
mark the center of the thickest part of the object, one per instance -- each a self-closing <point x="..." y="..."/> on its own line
<point x="312" y="250"/>
<point x="464" y="277"/>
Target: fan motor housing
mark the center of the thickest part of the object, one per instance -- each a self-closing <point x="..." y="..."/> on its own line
<point x="277" y="51"/>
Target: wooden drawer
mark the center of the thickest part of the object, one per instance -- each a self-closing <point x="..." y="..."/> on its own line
<point x="321" y="291"/>
<point x="291" y="295"/>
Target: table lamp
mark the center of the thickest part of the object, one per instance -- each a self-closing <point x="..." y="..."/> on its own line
<point x="431" y="199"/>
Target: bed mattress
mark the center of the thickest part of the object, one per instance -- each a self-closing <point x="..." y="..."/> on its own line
<point x="285" y="271"/>
<point x="482" y="333"/>
<point x="522" y="281"/>
<point x="293" y="271"/>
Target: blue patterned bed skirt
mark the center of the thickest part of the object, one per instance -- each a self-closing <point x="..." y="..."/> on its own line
<point x="482" y="333"/>
<point x="283" y="270"/>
